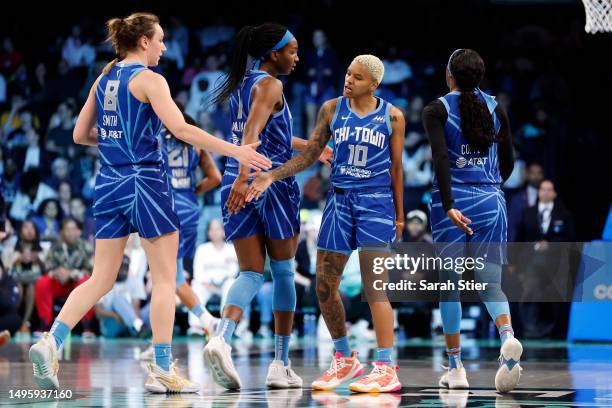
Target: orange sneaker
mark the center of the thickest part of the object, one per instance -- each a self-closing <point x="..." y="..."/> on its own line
<point x="382" y="378"/>
<point x="342" y="369"/>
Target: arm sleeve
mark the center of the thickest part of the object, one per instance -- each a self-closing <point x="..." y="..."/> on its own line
<point x="434" y="117"/>
<point x="505" y="152"/>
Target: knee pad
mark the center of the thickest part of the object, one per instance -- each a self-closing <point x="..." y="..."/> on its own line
<point x="244" y="289"/>
<point x="284" y="298"/>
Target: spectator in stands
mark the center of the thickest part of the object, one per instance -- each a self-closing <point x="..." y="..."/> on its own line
<point x="522" y="199"/>
<point x="9" y="57"/>
<point x="397" y="72"/>
<point x="32" y="156"/>
<point x="416" y="227"/>
<point x="215" y="34"/>
<point x="60" y="172"/>
<point x="78" y="212"/>
<point x="77" y="51"/>
<point x="547" y="221"/>
<point x="15" y="131"/>
<point x="69" y="263"/>
<point x="10" y="180"/>
<point x="47" y="219"/>
<point x="32" y="192"/>
<point x="215" y="266"/>
<point x="202" y="86"/>
<point x="9" y="297"/>
<point x="64" y="193"/>
<point x="27" y="267"/>
<point x="116" y="311"/>
<point x="321" y="64"/>
<point x="59" y="138"/>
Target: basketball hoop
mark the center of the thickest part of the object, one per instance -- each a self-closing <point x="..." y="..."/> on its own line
<point x="598" y="16"/>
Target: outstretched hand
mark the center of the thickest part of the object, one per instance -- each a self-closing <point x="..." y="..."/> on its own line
<point x="260" y="183"/>
<point x="459" y="220"/>
<point x="248" y="156"/>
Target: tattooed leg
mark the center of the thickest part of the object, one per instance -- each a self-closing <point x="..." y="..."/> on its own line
<point x="329" y="271"/>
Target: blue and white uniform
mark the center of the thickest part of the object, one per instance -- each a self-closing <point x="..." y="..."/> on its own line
<point x="181" y="161"/>
<point x="276" y="213"/>
<point x="476" y="188"/>
<point x="359" y="210"/>
<point x="132" y="192"/>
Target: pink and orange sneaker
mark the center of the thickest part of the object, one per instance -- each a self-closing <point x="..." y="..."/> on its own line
<point x="342" y="369"/>
<point x="382" y="378"/>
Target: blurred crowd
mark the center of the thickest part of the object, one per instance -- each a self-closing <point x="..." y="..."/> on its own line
<point x="47" y="181"/>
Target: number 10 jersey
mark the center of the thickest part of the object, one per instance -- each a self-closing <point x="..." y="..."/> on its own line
<point x="362" y="157"/>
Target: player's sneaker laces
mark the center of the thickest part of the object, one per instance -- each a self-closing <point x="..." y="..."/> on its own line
<point x="382" y="378"/>
<point x="160" y="381"/>
<point x="43" y="355"/>
<point x="218" y="358"/>
<point x="509" y="371"/>
<point x="281" y="376"/>
<point x="342" y="369"/>
<point x="454" y="378"/>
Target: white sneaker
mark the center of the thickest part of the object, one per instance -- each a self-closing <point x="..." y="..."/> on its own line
<point x="43" y="355"/>
<point x="509" y="371"/>
<point x="218" y="358"/>
<point x="454" y="378"/>
<point x="294" y="380"/>
<point x="211" y="329"/>
<point x="148" y="354"/>
<point x="160" y="381"/>
<point x="282" y="376"/>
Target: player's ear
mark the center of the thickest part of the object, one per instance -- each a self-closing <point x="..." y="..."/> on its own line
<point x="144" y="42"/>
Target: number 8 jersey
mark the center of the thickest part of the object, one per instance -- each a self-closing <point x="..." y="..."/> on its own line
<point x="128" y="129"/>
<point x="362" y="156"/>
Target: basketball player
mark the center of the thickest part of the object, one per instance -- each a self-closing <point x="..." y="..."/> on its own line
<point x="364" y="206"/>
<point x="259" y="111"/>
<point x="128" y="104"/>
<point x="472" y="152"/>
<point x="181" y="161"/>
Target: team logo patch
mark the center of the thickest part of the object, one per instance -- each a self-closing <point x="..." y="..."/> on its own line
<point x="379" y="119"/>
<point x="461" y="162"/>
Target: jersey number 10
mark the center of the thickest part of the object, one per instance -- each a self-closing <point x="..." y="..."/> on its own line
<point x="358" y="155"/>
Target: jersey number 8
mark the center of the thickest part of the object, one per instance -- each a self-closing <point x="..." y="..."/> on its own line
<point x="110" y="95"/>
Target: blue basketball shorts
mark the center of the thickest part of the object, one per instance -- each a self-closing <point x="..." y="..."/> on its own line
<point x="276" y="214"/>
<point x="355" y="219"/>
<point x="133" y="198"/>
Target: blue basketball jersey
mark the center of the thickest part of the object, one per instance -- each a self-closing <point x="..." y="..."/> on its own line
<point x="362" y="156"/>
<point x="277" y="133"/>
<point x="468" y="165"/>
<point x="181" y="161"/>
<point x="128" y="129"/>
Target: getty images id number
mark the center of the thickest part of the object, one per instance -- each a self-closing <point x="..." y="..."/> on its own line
<point x="40" y="394"/>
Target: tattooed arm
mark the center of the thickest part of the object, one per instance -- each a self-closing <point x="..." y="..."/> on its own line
<point x="398" y="128"/>
<point x="316" y="144"/>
